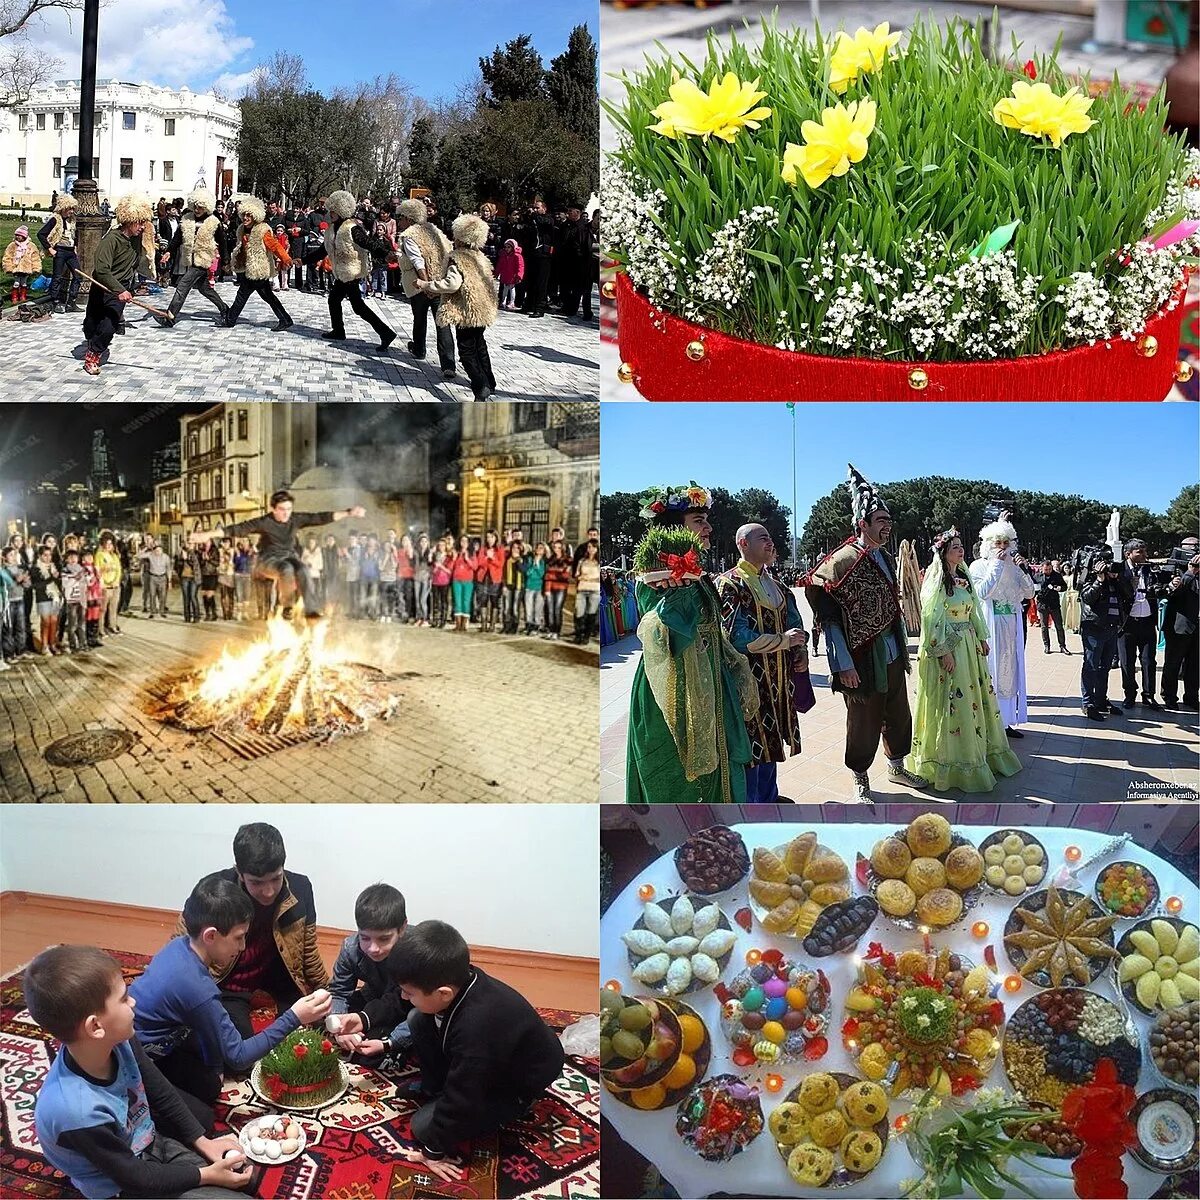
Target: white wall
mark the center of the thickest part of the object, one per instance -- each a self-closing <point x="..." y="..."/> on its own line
<point x="518" y="876"/>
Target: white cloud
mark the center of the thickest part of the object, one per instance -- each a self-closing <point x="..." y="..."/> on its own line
<point x="232" y="86"/>
<point x="166" y="42"/>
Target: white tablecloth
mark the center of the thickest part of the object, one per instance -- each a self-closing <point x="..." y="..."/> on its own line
<point x="759" y="1170"/>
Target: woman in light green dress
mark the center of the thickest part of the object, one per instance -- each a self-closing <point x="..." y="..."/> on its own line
<point x="687" y="740"/>
<point x="958" y="736"/>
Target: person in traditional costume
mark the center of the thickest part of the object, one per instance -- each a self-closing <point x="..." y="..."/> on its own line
<point x="120" y="256"/>
<point x="349" y="249"/>
<point x="958" y="737"/>
<point x="57" y="237"/>
<point x="852" y="592"/>
<point x="254" y="261"/>
<point x="763" y="623"/>
<point x="194" y="247"/>
<point x="1003" y="586"/>
<point x="692" y="692"/>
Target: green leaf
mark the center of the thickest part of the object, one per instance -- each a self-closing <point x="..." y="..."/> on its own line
<point x="995" y="241"/>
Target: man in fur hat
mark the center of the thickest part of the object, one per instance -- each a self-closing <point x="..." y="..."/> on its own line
<point x="194" y="247"/>
<point x="254" y="260"/>
<point x="852" y="591"/>
<point x="119" y="258"/>
<point x="349" y="251"/>
<point x="1002" y="586"/>
<point x="424" y="255"/>
<point x="57" y="236"/>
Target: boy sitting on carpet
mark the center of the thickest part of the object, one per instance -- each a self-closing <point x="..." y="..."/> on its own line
<point x="180" y="1018"/>
<point x="105" y="1115"/>
<point x="380" y="918"/>
<point x="485" y="1053"/>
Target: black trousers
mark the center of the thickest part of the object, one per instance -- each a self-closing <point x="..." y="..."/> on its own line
<point x="101" y="319"/>
<point x="1181" y="661"/>
<point x="291" y="578"/>
<point x="576" y="288"/>
<point x="65" y="284"/>
<point x="1049" y="607"/>
<point x="1138" y="646"/>
<point x="251" y="287"/>
<point x="350" y="291"/>
<point x="472" y="349"/>
<point x="537" y="282"/>
<point x="422" y="306"/>
<point x="199" y="1084"/>
<point x="196" y="277"/>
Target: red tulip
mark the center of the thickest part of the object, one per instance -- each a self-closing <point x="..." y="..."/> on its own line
<point x="299" y="1049"/>
<point x="1030" y="69"/>
<point x="326" y="1046"/>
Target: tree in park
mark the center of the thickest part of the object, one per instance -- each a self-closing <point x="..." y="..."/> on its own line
<point x="23" y="66"/>
<point x="571" y="86"/>
<point x="422" y="153"/>
<point x="1182" y="517"/>
<point x="514" y="72"/>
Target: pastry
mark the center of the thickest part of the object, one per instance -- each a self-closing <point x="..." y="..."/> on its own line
<point x="865" y="1104"/>
<point x="925" y="874"/>
<point x="964" y="867"/>
<point x="828" y="1128"/>
<point x="809" y="1165"/>
<point x="794" y="885"/>
<point x="681" y="947"/>
<point x="825" y="894"/>
<point x="1165" y="966"/>
<point x="1060" y="939"/>
<point x="789" y="1123"/>
<point x="799" y="851"/>
<point x="769" y="866"/>
<point x="910" y="963"/>
<point x="995" y="873"/>
<point x="769" y="893"/>
<point x="1014" y="863"/>
<point x="823" y="867"/>
<point x="861" y="1150"/>
<point x="782" y="919"/>
<point x="942" y="906"/>
<point x="819" y="1093"/>
<point x="928" y="836"/>
<point x="890" y="858"/>
<point x="896" y="897"/>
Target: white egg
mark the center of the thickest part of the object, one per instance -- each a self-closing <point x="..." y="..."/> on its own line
<point x="289" y="1146"/>
<point x="258" y="1146"/>
<point x="280" y="1125"/>
<point x="272" y="1150"/>
<point x="293" y="1131"/>
<point x="333" y="1023"/>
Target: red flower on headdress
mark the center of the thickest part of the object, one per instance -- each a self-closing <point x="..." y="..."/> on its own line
<point x="299" y="1049"/>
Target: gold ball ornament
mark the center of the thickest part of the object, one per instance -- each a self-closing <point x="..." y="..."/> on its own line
<point x="608" y="289"/>
<point x="695" y="351"/>
<point x="625" y="372"/>
<point x="1184" y="371"/>
<point x="918" y="380"/>
<point x="1147" y="345"/>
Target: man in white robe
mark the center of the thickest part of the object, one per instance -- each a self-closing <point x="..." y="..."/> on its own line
<point x="1002" y="586"/>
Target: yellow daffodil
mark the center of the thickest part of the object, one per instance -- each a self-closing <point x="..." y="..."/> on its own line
<point x="1037" y="112"/>
<point x="839" y="139"/>
<point x="863" y="53"/>
<point x="727" y="108"/>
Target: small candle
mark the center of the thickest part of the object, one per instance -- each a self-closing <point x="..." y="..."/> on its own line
<point x="980" y="929"/>
<point x="1012" y="983"/>
<point x="753" y="958"/>
<point x="851" y="1045"/>
<point x="646" y="892"/>
<point x="900" y="1124"/>
<point x="1174" y="905"/>
<point x="774" y="1083"/>
<point x="613" y="985"/>
<point x="1073" y="854"/>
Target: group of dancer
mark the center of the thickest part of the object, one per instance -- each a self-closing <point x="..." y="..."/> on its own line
<point x="724" y="667"/>
<point x="450" y="280"/>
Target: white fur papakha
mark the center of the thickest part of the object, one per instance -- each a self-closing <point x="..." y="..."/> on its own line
<point x="864" y="496"/>
<point x="470" y="230"/>
<point x="989" y="535"/>
<point x="66" y="204"/>
<point x="134" y="206"/>
<point x="202" y="199"/>
<point x="342" y="204"/>
<point x="414" y="210"/>
<point x="253" y="206"/>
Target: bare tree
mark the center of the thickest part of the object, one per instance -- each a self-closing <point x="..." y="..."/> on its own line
<point x="23" y="66"/>
<point x="391" y="108"/>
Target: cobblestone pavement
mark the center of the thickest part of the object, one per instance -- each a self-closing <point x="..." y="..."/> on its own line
<point x="1064" y="756"/>
<point x="548" y="359"/>
<point x="474" y="710"/>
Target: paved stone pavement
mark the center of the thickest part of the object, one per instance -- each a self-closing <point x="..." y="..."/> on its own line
<point x="548" y="359"/>
<point x="479" y="709"/>
<point x="1064" y="756"/>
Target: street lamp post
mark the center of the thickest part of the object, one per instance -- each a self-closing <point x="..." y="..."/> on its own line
<point x="90" y="223"/>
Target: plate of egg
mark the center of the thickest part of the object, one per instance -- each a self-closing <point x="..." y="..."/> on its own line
<point x="273" y="1140"/>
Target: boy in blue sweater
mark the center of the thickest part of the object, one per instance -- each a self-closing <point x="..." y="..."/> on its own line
<point x="180" y="1018"/>
<point x="105" y="1115"/>
<point x="380" y="917"/>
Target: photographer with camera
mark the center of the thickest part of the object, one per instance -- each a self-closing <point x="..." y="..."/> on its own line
<point x="1105" y="600"/>
<point x="1050" y="585"/>
<point x="1138" y="642"/>
<point x="1180" y="627"/>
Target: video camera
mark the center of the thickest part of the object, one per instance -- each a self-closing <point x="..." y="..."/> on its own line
<point x="1089" y="561"/>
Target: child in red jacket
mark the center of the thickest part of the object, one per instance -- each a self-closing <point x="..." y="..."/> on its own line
<point x="510" y="270"/>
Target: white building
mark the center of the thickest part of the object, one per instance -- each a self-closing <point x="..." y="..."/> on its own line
<point x="147" y="139"/>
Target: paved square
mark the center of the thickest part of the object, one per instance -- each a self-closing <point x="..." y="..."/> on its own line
<point x="1064" y="755"/>
<point x="548" y="359"/>
<point x="482" y="718"/>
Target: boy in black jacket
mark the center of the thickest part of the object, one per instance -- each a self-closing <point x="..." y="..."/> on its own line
<point x="485" y="1053"/>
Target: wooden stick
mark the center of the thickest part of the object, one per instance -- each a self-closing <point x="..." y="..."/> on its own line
<point x="158" y="312"/>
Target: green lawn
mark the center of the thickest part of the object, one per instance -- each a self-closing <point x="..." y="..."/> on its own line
<point x="7" y="226"/>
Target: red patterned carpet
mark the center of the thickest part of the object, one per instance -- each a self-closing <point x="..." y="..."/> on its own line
<point x="356" y="1145"/>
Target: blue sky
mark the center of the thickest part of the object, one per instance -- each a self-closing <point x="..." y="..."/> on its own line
<point x="1118" y="453"/>
<point x="202" y="42"/>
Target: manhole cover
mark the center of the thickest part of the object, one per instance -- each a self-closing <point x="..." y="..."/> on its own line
<point x="83" y="749"/>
